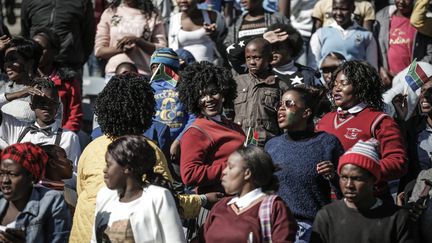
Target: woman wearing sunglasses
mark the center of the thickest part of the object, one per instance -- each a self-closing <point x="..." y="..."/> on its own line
<point x="307" y="159"/>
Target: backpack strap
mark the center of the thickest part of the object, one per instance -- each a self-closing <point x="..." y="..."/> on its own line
<point x="264" y="216"/>
<point x="58" y="136"/>
<point x="24" y="132"/>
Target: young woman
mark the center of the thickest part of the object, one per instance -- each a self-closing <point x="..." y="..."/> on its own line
<point x="196" y="30"/>
<point x="30" y="213"/>
<point x="207" y="143"/>
<point x="249" y="177"/>
<point x="307" y="159"/>
<point x="21" y="62"/>
<point x="129" y="31"/>
<point x="357" y="93"/>
<point x="134" y="207"/>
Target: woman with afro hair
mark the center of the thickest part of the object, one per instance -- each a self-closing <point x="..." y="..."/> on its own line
<point x="357" y="93"/>
<point x="124" y="107"/>
<point x="129" y="31"/>
<point x="205" y="146"/>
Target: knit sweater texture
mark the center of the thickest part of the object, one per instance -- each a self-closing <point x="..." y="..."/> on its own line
<point x="300" y="186"/>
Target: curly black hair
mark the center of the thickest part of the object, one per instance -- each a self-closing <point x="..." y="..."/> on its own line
<point x="196" y="77"/>
<point x="367" y="84"/>
<point x="135" y="153"/>
<point x="294" y="41"/>
<point x="146" y="6"/>
<point x="125" y="106"/>
<point x="29" y="49"/>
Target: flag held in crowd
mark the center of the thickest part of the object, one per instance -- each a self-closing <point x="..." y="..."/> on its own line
<point x="416" y="76"/>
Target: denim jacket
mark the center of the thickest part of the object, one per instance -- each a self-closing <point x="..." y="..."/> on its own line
<point x="45" y="218"/>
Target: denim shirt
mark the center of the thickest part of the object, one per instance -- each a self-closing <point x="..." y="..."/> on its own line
<point x="45" y="218"/>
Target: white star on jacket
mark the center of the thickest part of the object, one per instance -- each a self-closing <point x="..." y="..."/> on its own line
<point x="241" y="44"/>
<point x="296" y="80"/>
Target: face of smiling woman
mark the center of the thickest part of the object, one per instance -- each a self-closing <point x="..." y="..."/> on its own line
<point x="211" y="101"/>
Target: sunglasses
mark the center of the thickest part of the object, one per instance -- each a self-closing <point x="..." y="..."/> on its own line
<point x="286" y="104"/>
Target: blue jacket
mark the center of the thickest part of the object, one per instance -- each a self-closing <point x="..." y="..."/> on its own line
<point x="45" y="218"/>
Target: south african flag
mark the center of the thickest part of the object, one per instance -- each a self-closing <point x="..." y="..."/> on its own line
<point x="415" y="77"/>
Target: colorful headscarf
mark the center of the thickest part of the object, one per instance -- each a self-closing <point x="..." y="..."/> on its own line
<point x="29" y="156"/>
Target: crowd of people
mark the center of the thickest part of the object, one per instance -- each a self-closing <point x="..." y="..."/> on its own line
<point x="220" y="121"/>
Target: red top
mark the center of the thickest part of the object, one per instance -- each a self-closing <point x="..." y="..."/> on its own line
<point x="70" y="96"/>
<point x="205" y="148"/>
<point x="401" y="41"/>
<point x="367" y="124"/>
<point x="222" y="218"/>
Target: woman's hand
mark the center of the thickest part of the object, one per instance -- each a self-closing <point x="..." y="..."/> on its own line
<point x="212" y="198"/>
<point x="31" y="90"/>
<point x="386" y="77"/>
<point x="4" y="40"/>
<point x="400" y="104"/>
<point x="326" y="169"/>
<point x="276" y="35"/>
<point x="210" y="29"/>
<point x="127" y="43"/>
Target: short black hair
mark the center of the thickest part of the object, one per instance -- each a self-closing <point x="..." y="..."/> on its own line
<point x="294" y="41"/>
<point x="125" y="106"/>
<point x="311" y="96"/>
<point x="129" y="65"/>
<point x="196" y="77"/>
<point x="51" y="36"/>
<point x="29" y="49"/>
<point x="366" y="82"/>
<point x="264" y="44"/>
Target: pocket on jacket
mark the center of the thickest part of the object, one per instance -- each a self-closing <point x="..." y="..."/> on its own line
<point x="270" y="100"/>
<point x="241" y="96"/>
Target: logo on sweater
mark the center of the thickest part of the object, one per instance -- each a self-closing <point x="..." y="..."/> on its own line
<point x="352" y="133"/>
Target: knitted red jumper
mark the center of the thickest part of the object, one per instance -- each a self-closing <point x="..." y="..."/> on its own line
<point x="367" y="124"/>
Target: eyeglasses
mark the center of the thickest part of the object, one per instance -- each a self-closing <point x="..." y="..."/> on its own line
<point x="286" y="104"/>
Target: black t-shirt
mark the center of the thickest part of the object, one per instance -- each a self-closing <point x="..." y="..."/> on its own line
<point x="337" y="223"/>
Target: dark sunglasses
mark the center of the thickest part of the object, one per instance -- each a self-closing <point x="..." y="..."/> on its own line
<point x="286" y="104"/>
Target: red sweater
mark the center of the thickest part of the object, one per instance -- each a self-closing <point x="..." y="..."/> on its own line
<point x="367" y="124"/>
<point x="70" y="95"/>
<point x="220" y="226"/>
<point x="205" y="148"/>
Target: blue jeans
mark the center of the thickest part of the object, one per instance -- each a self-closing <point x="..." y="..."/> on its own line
<point x="304" y="231"/>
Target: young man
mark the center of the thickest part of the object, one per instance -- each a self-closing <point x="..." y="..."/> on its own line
<point x="258" y="93"/>
<point x="344" y="36"/>
<point x="361" y="217"/>
<point x="46" y="129"/>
